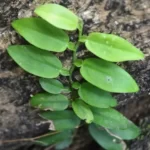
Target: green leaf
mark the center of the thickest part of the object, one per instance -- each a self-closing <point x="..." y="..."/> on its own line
<point x="112" y="48"/>
<point x="35" y="61"/>
<point x="108" y="76"/>
<point x="104" y="139"/>
<point x="95" y="96"/>
<point x="78" y="62"/>
<point x="51" y="85"/>
<point x="82" y="110"/>
<point x="66" y="90"/>
<point x="72" y="46"/>
<point x="64" y="72"/>
<point x="41" y="34"/>
<point x="48" y="101"/>
<point x="80" y="26"/>
<point x="54" y="138"/>
<point x="109" y="118"/>
<point x="62" y="119"/>
<point x="64" y="144"/>
<point x="58" y="16"/>
<point x="76" y="85"/>
<point x="129" y="133"/>
<point x="83" y="38"/>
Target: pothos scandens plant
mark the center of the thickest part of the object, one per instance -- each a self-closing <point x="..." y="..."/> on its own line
<point x="90" y="100"/>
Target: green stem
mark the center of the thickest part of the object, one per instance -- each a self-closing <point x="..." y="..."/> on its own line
<point x="73" y="92"/>
<point x="80" y="29"/>
<point x="73" y="60"/>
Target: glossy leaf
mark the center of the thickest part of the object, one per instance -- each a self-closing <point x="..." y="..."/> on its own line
<point x="54" y="138"/>
<point x="64" y="144"/>
<point x="108" y="76"/>
<point x="78" y="62"/>
<point x="107" y="141"/>
<point x="51" y="85"/>
<point x="58" y="16"/>
<point x="66" y="90"/>
<point x="64" y="72"/>
<point x="83" y="38"/>
<point x="82" y="110"/>
<point x="35" y="61"/>
<point x="109" y="118"/>
<point x="112" y="48"/>
<point x="41" y="34"/>
<point x="62" y="119"/>
<point x="131" y="132"/>
<point x="48" y="101"/>
<point x="72" y="46"/>
<point x="76" y="85"/>
<point x="96" y="97"/>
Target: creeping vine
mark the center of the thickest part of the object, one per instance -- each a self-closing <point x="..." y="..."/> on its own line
<point x="90" y="101"/>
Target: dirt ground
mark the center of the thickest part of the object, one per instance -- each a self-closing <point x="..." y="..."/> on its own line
<point x="127" y="18"/>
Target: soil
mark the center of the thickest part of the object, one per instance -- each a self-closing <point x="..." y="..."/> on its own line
<point x="127" y="18"/>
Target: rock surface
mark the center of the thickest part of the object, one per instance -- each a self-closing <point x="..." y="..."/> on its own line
<point x="127" y="18"/>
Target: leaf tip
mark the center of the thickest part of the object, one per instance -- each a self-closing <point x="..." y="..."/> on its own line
<point x="142" y="55"/>
<point x="136" y="88"/>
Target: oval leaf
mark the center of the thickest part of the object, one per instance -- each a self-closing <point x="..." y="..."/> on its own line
<point x="112" y="48"/>
<point x="54" y="138"/>
<point x="49" y="102"/>
<point x="108" y="76"/>
<point x="96" y="97"/>
<point x="41" y="34"/>
<point x="82" y="110"/>
<point x="35" y="61"/>
<point x="109" y="118"/>
<point x="78" y="62"/>
<point x="76" y="85"/>
<point x="62" y="119"/>
<point x="104" y="139"/>
<point x="64" y="72"/>
<point x="51" y="85"/>
<point x="129" y="133"/>
<point x="72" y="46"/>
<point x="58" y="16"/>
